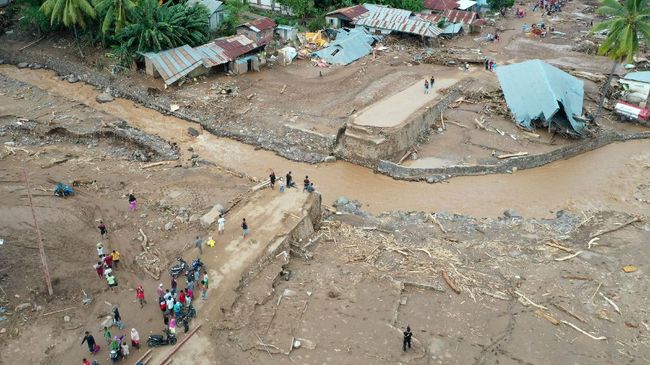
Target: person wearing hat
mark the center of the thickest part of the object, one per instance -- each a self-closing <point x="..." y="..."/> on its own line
<point x="160" y="290"/>
<point x="100" y="250"/>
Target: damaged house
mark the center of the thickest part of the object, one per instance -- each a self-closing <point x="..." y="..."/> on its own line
<point x="540" y="94"/>
<point x="384" y="20"/>
<point x="236" y="54"/>
<point x="349" y="46"/>
<point x="260" y="30"/>
<point x="342" y="18"/>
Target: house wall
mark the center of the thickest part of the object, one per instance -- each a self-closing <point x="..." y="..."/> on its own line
<point x="213" y="21"/>
<point x="333" y="22"/>
<point x="272" y="5"/>
<point x="149" y="69"/>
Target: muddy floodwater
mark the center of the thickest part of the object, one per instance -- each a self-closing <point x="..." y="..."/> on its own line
<point x="607" y="178"/>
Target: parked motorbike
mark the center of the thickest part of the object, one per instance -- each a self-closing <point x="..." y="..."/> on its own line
<point x="179" y="268"/>
<point x="161" y="340"/>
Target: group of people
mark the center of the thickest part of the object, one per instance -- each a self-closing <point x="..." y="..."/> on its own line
<point x="549" y="7"/>
<point x="175" y="303"/>
<point x="108" y="262"/>
<point x="490" y="65"/>
<point x="428" y="84"/>
<point x="288" y="182"/>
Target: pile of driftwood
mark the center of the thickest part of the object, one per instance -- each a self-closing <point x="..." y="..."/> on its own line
<point x="447" y="56"/>
<point x="149" y="259"/>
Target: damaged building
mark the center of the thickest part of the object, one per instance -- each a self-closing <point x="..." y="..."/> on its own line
<point x="539" y="94"/>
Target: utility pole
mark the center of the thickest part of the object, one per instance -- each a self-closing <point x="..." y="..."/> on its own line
<point x="41" y="249"/>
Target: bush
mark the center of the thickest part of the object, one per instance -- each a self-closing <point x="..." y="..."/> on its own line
<point x="316" y="24"/>
<point x="32" y="18"/>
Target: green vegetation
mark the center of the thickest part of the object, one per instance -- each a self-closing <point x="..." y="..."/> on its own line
<point x="156" y="27"/>
<point x="234" y="9"/>
<point x="500" y="5"/>
<point x="625" y="24"/>
<point x="115" y="14"/>
<point x="32" y="18"/>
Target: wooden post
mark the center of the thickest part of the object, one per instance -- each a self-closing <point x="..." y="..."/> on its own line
<point x="41" y="249"/>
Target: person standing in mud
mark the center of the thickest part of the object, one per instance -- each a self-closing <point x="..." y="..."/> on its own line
<point x="133" y="203"/>
<point x="272" y="179"/>
<point x="290" y="182"/>
<point x="102" y="229"/>
<point x="407" y="338"/>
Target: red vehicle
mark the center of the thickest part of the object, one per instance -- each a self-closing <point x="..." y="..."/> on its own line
<point x="631" y="111"/>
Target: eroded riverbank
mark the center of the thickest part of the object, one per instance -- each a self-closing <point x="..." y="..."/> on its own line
<point x="604" y="178"/>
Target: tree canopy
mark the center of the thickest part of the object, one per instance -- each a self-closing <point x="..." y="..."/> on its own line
<point x="624" y="24"/>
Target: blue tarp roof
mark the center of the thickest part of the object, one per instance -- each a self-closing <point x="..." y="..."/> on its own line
<point x="349" y="46"/>
<point x="535" y="90"/>
<point x="641" y="76"/>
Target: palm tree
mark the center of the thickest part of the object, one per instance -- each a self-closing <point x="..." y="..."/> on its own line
<point x="155" y="28"/>
<point x="624" y="24"/>
<point x="115" y="13"/>
<point x="69" y="13"/>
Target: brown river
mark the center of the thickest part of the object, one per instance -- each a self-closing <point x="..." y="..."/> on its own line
<point x="607" y="178"/>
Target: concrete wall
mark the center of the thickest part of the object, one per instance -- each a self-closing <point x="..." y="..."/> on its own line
<point x="525" y="162"/>
<point x="368" y="145"/>
<point x="311" y="217"/>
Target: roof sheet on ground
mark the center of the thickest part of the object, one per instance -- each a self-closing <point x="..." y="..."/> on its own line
<point x="397" y="20"/>
<point x="535" y="90"/>
<point x="641" y="76"/>
<point x="175" y="63"/>
<point x="349" y="46"/>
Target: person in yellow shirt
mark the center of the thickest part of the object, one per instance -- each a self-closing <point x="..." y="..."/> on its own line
<point x="210" y="242"/>
<point x="116" y="258"/>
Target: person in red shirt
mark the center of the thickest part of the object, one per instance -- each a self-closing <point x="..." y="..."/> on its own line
<point x="108" y="261"/>
<point x="100" y="269"/>
<point x="163" y="305"/>
<point x="85" y="361"/>
<point x="181" y="297"/>
<point x="139" y="292"/>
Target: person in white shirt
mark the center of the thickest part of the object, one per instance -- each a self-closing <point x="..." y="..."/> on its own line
<point x="222" y="224"/>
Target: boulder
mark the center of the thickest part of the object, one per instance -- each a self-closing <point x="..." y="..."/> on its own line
<point x="37" y="66"/>
<point x="169" y="226"/>
<point x="210" y="217"/>
<point x="342" y="201"/>
<point x="22" y="65"/>
<point x="72" y="78"/>
<point x="511" y="213"/>
<point x="104" y="98"/>
<point x="329" y="159"/>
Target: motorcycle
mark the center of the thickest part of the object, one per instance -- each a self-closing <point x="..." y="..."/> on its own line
<point x="176" y="270"/>
<point x="115" y="356"/>
<point x="197" y="265"/>
<point x="160" y="340"/>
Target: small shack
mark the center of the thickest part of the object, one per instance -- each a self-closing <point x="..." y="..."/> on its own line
<point x="216" y="11"/>
<point x="260" y="30"/>
<point x="344" y="17"/>
<point x="243" y="54"/>
<point x="286" y="33"/>
<point x="173" y="64"/>
<point x="538" y="93"/>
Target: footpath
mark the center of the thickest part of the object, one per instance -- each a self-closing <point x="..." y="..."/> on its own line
<point x="274" y="219"/>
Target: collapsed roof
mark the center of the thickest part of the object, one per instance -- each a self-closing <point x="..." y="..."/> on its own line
<point x="349" y="46"/>
<point x="535" y="90"/>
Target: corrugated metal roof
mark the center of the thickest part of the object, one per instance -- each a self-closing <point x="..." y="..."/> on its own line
<point x="349" y="46"/>
<point x="260" y="24"/>
<point x="211" y="55"/>
<point x="212" y="5"/>
<point x="397" y="20"/>
<point x="535" y="90"/>
<point x="452" y="16"/>
<point x="440" y="5"/>
<point x="175" y="63"/>
<point x="641" y="76"/>
<point x="235" y="46"/>
<point x="351" y="12"/>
